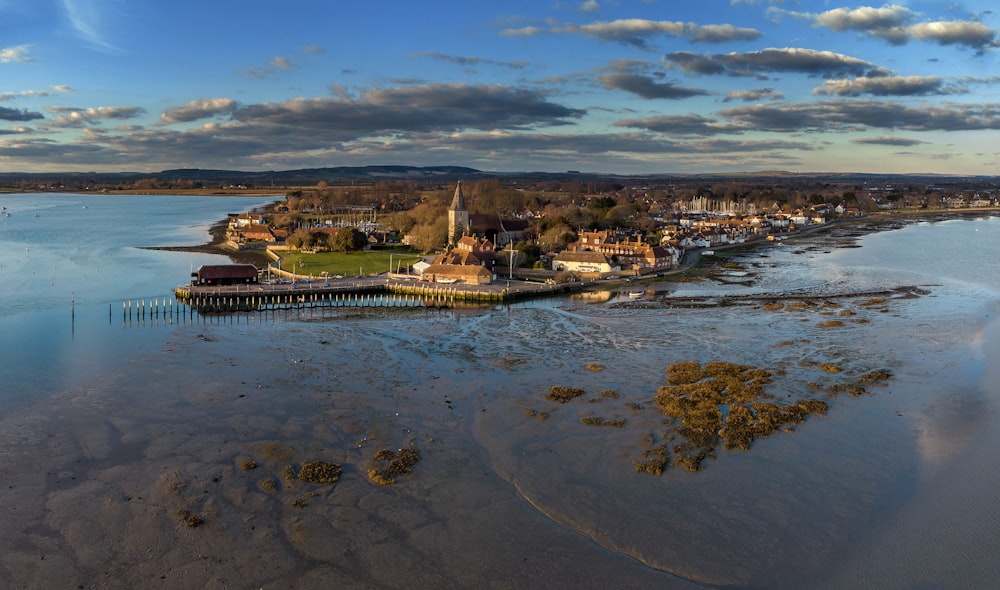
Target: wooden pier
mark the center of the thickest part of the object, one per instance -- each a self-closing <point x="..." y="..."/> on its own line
<point x="192" y="299"/>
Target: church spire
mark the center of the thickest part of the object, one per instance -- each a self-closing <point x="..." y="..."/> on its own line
<point x="458" y="203"/>
<point x="458" y="217"/>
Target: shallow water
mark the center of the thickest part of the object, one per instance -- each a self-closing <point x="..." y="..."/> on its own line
<point x="67" y="263"/>
<point x="888" y="490"/>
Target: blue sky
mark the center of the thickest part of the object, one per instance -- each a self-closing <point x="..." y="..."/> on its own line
<point x="624" y="86"/>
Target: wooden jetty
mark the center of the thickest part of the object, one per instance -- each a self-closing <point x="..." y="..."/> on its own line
<point x="191" y="299"/>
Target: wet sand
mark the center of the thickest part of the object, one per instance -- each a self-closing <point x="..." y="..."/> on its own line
<point x="98" y="480"/>
<point x="101" y="480"/>
<point x="141" y="478"/>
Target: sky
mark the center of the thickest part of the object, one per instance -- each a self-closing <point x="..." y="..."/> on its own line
<point x="603" y="86"/>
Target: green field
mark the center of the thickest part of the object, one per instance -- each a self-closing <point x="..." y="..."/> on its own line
<point x="349" y="264"/>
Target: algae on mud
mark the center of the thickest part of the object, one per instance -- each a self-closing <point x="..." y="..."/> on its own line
<point x="601" y="421"/>
<point x="387" y="465"/>
<point x="320" y="472"/>
<point x="561" y="394"/>
<point x="715" y="403"/>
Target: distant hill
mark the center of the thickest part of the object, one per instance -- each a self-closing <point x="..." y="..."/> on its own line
<point x="305" y="176"/>
<point x="314" y="175"/>
<point x="443" y="174"/>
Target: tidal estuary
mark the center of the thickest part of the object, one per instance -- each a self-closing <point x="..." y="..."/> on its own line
<point x="174" y="454"/>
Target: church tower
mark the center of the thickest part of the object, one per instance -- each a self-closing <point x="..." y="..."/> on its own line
<point x="458" y="217"/>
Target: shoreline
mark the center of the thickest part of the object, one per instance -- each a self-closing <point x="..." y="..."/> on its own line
<point x="217" y="246"/>
<point x="864" y="225"/>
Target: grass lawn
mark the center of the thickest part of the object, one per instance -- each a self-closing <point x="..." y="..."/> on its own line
<point x="349" y="264"/>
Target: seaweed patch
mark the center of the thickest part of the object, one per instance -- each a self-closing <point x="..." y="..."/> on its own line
<point x="560" y="394"/>
<point x="387" y="465"/>
<point x="320" y="472"/>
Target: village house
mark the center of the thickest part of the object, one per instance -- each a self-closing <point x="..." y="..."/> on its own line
<point x="799" y="218"/>
<point x="584" y="261"/>
<point x="242" y="220"/>
<point x="253" y="233"/>
<point x="781" y="222"/>
<point x="979" y="200"/>
<point x="483" y="246"/>
<point x="621" y="253"/>
<point x="469" y="251"/>
<point x="248" y="228"/>
<point x="727" y="230"/>
<point x="457" y="273"/>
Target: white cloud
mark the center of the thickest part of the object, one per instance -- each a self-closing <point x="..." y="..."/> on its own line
<point x="523" y="32"/>
<point x="970" y="33"/>
<point x="18" y="53"/>
<point x="276" y="63"/>
<point x="281" y="63"/>
<point x="636" y="31"/>
<point x="886" y="86"/>
<point x="199" y="109"/>
<point x="865" y="18"/>
<point x="87" y="19"/>
<point x="898" y="25"/>
<point x="754" y="95"/>
<point x="70" y="117"/>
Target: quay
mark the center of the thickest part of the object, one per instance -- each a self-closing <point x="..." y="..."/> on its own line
<point x="362" y="292"/>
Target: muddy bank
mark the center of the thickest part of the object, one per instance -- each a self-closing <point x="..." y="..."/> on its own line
<point x="186" y="471"/>
<point x="218" y="246"/>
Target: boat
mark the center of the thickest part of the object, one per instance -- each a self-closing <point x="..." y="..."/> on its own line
<point x="635" y="294"/>
<point x="447" y="281"/>
<point x="708" y="253"/>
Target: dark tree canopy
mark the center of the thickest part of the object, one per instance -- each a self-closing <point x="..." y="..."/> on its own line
<point x="347" y="239"/>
